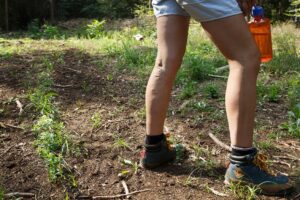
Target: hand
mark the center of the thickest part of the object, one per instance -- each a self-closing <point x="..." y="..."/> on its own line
<point x="246" y="6"/>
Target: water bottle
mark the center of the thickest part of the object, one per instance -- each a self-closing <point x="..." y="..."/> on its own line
<point x="260" y="28"/>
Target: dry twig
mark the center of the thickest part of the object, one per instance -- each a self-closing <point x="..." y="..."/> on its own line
<point x="125" y="188"/>
<point x="19" y="194"/>
<point x="73" y="70"/>
<point x="120" y="195"/>
<point x="217" y="192"/>
<point x="218" y="142"/>
<point x="217" y="76"/>
<point x="290" y="157"/>
<point x="280" y="162"/>
<point x="4" y="125"/>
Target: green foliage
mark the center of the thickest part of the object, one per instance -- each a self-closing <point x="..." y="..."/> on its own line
<point x="51" y="141"/>
<point x="293" y="125"/>
<point x="295" y="9"/>
<point x="244" y="192"/>
<point x="270" y="93"/>
<point x="286" y="57"/>
<point x="95" y="29"/>
<point x="189" y="90"/>
<point x="2" y="193"/>
<point x="96" y="120"/>
<point x="50" y="32"/>
<point x="212" y="91"/>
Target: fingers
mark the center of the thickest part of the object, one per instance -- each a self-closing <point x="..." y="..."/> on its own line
<point x="246" y="6"/>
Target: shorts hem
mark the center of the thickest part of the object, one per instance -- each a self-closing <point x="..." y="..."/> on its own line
<point x="166" y="14"/>
<point x="219" y="17"/>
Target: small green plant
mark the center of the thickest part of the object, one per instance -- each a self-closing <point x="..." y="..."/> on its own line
<point x="96" y="120"/>
<point x="50" y="32"/>
<point x="1" y="193"/>
<point x="141" y="113"/>
<point x="211" y="91"/>
<point x="244" y="192"/>
<point x="33" y="28"/>
<point x="120" y="143"/>
<point x="200" y="105"/>
<point x="95" y="29"/>
<point x="189" y="89"/>
<point x="203" y="159"/>
<point x="266" y="145"/>
<point x="134" y="167"/>
<point x="273" y="93"/>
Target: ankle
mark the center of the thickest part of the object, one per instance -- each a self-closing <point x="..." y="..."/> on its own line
<point x="154" y="139"/>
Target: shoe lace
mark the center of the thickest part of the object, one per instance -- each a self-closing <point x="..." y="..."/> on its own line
<point x="260" y="160"/>
<point x="168" y="140"/>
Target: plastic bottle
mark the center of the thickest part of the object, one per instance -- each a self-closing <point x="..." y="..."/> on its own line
<point x="260" y="28"/>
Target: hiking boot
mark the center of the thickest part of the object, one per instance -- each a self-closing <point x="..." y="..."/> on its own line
<point x="252" y="170"/>
<point x="157" y="154"/>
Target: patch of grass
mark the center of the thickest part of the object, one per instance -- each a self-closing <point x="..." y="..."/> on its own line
<point x="270" y="93"/>
<point x="266" y="145"/>
<point x="120" y="143"/>
<point x="141" y="113"/>
<point x="189" y="90"/>
<point x="244" y="192"/>
<point x="293" y="124"/>
<point x="2" y="192"/>
<point x="51" y="141"/>
<point x="286" y="57"/>
<point x="96" y="120"/>
<point x="212" y="91"/>
<point x="132" y="170"/>
<point x="203" y="159"/>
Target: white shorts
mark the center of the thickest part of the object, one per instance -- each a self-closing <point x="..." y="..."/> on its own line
<point x="200" y="10"/>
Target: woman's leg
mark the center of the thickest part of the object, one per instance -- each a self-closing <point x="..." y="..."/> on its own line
<point x="232" y="37"/>
<point x="172" y="31"/>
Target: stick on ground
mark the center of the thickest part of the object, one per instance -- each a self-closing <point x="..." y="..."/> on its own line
<point x="218" y="142"/>
<point x="120" y="195"/>
<point x="19" y="194"/>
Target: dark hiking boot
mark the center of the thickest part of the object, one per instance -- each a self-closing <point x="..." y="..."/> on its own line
<point x="158" y="154"/>
<point x="252" y="170"/>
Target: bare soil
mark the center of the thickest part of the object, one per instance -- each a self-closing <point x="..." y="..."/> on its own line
<point x="119" y="101"/>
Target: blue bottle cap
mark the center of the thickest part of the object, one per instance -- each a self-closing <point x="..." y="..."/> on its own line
<point x="257" y="11"/>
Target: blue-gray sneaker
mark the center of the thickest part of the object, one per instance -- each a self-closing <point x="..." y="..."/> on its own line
<point x="252" y="170"/>
<point x="155" y="155"/>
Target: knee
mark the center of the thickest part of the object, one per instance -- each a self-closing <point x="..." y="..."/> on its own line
<point x="249" y="61"/>
<point x="166" y="68"/>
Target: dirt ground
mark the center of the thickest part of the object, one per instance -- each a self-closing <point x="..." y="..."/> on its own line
<point x="119" y="101"/>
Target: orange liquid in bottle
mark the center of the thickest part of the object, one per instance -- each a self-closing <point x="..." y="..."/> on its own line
<point x="261" y="31"/>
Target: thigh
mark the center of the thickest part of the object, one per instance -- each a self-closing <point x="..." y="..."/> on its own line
<point x="232" y="36"/>
<point x="172" y="32"/>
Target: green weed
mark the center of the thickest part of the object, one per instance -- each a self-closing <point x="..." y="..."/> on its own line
<point x="120" y="143"/>
<point x="134" y="167"/>
<point x="286" y="57"/>
<point x="2" y="192"/>
<point x="244" y="192"/>
<point x="203" y="159"/>
<point x="212" y="91"/>
<point x="189" y="90"/>
<point x="51" y="141"/>
<point x="96" y="120"/>
<point x="293" y="124"/>
<point x="141" y="113"/>
<point x="266" y="145"/>
<point x="95" y="29"/>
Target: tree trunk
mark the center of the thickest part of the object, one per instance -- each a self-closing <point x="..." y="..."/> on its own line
<point x="6" y="15"/>
<point x="52" y="18"/>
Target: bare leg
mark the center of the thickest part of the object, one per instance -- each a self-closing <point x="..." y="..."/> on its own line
<point x="172" y="31"/>
<point x="232" y="37"/>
